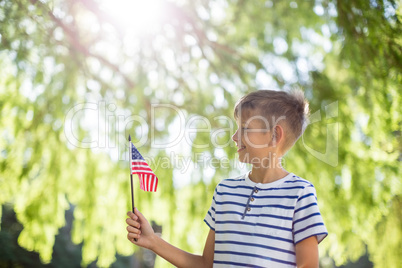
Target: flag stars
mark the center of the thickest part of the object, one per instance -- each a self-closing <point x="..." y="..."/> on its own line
<point x="136" y="154"/>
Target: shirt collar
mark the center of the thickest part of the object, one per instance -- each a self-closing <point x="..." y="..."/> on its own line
<point x="265" y="185"/>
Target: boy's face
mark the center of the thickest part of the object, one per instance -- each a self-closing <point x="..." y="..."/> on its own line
<point x="253" y="138"/>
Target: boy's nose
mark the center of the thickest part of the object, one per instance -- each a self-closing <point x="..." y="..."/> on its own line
<point x="235" y="136"/>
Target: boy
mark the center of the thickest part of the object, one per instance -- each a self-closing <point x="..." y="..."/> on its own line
<point x="267" y="217"/>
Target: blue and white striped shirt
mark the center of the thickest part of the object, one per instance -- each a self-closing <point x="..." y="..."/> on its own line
<point x="258" y="225"/>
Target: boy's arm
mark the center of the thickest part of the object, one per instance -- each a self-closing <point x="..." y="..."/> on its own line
<point x="139" y="228"/>
<point x="307" y="253"/>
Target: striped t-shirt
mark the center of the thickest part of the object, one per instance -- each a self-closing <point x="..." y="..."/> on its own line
<point x="258" y="225"/>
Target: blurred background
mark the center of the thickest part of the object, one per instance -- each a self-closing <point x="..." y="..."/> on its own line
<point x="78" y="76"/>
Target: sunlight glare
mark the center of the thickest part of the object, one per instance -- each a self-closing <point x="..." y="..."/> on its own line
<point x="135" y="16"/>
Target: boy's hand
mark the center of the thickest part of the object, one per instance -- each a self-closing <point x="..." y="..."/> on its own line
<point x="140" y="229"/>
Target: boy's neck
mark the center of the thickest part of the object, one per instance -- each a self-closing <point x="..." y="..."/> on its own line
<point x="267" y="175"/>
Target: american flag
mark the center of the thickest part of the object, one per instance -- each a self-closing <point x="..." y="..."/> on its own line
<point x="148" y="180"/>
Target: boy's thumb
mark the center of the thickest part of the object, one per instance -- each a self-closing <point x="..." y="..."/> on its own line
<point x="139" y="214"/>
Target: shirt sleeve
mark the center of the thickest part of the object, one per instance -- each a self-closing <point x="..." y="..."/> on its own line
<point x="210" y="217"/>
<point x="307" y="220"/>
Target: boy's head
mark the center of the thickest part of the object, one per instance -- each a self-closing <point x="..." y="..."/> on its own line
<point x="288" y="110"/>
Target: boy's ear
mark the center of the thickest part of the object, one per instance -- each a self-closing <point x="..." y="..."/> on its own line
<point x="277" y="135"/>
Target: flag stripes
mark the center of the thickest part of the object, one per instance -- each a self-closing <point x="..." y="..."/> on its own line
<point x="148" y="179"/>
<point x="148" y="182"/>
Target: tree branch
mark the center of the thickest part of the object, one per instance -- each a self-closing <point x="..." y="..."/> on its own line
<point x="76" y="44"/>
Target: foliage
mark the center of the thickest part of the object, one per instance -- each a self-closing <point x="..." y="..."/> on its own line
<point x="75" y="82"/>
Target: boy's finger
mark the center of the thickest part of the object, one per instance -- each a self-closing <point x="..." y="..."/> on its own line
<point x="132" y="229"/>
<point x="132" y="239"/>
<point x="133" y="235"/>
<point x="132" y="215"/>
<point x="132" y="222"/>
<point x="139" y="214"/>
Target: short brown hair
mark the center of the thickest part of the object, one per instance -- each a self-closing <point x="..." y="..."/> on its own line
<point x="292" y="107"/>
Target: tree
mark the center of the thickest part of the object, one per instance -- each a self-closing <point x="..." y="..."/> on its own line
<point x="76" y="81"/>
